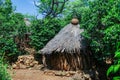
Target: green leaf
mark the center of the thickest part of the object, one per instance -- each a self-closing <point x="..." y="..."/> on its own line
<point x="116" y="68"/>
<point x="113" y="69"/>
<point x="116" y="78"/>
<point x="117" y="54"/>
<point x="118" y="61"/>
<point x="118" y="45"/>
<point x="110" y="70"/>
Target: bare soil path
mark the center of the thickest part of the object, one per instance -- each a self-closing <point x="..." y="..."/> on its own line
<point x="26" y="74"/>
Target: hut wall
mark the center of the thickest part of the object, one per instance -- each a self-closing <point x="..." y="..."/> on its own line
<point x="66" y="61"/>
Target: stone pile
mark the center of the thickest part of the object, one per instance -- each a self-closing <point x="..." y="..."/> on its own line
<point x="26" y="62"/>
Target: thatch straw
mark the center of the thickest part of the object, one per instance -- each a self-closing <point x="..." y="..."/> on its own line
<point x="68" y="40"/>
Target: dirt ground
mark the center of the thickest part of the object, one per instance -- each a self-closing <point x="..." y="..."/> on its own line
<point x="26" y="74"/>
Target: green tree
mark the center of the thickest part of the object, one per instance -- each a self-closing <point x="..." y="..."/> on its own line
<point x="75" y="8"/>
<point x="11" y="24"/>
<point x="102" y="27"/>
<point x="43" y="30"/>
<point x="51" y="8"/>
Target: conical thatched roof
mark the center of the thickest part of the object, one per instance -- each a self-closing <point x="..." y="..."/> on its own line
<point x="68" y="40"/>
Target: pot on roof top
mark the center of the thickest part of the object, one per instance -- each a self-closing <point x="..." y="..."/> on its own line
<point x="74" y="21"/>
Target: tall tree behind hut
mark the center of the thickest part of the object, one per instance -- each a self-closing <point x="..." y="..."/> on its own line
<point x="45" y="29"/>
<point x="51" y="8"/>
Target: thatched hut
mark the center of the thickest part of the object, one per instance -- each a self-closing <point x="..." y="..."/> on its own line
<point x="67" y="50"/>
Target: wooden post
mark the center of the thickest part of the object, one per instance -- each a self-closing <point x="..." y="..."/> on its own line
<point x="44" y="60"/>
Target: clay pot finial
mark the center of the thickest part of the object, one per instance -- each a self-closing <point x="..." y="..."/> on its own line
<point x="74" y="21"/>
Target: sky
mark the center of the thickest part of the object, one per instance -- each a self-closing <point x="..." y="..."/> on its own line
<point x="25" y="7"/>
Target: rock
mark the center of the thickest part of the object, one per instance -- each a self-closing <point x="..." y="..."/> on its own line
<point x="14" y="66"/>
<point x="35" y="62"/>
<point x="68" y="75"/>
<point x="22" y="66"/>
<point x="26" y="61"/>
<point x="81" y="76"/>
<point x="31" y="51"/>
<point x="78" y="77"/>
<point x="48" y="72"/>
<point x="37" y="67"/>
<point x="87" y="76"/>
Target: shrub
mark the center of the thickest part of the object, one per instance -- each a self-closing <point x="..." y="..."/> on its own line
<point x="114" y="70"/>
<point x="102" y="29"/>
<point x="4" y="75"/>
